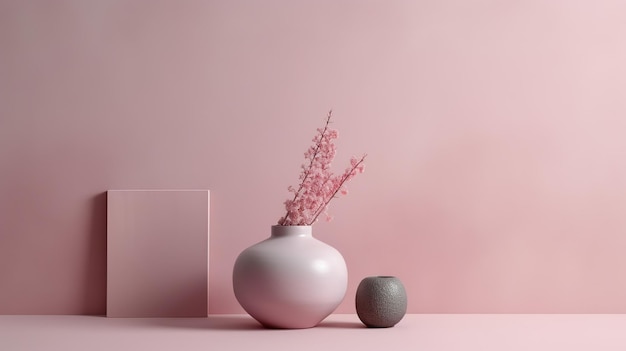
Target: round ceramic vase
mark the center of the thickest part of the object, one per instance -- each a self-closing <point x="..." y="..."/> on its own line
<point x="381" y="301"/>
<point x="290" y="280"/>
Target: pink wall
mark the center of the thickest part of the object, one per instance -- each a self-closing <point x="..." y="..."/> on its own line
<point x="495" y="175"/>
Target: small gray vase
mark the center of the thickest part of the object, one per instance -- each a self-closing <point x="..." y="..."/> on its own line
<point x="381" y="301"/>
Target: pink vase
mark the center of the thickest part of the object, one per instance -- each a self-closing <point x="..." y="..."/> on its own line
<point x="290" y="280"/>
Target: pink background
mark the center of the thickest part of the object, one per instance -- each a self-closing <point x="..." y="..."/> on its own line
<point x="494" y="129"/>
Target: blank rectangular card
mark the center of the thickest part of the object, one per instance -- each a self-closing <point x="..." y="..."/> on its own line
<point x="157" y="253"/>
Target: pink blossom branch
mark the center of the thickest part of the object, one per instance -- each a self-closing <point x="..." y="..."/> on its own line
<point x="318" y="185"/>
<point x="351" y="172"/>
<point x="308" y="169"/>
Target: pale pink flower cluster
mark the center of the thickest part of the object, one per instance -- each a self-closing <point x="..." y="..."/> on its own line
<point x="318" y="185"/>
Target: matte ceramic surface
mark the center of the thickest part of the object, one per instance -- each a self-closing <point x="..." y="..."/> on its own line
<point x="158" y="253"/>
<point x="290" y="280"/>
<point x="381" y="301"/>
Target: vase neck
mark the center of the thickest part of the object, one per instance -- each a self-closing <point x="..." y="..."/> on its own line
<point x="291" y="230"/>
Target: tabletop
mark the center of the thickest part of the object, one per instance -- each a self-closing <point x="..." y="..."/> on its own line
<point x="337" y="332"/>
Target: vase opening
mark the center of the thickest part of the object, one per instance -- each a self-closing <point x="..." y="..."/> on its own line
<point x="292" y="230"/>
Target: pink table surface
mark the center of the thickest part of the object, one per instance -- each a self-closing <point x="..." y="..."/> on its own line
<point x="337" y="332"/>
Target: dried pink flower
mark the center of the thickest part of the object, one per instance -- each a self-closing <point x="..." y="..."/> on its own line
<point x="318" y="185"/>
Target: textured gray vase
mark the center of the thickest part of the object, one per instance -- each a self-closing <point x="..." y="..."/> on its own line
<point x="381" y="301"/>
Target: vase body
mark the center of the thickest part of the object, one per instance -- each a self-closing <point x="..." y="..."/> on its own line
<point x="381" y="301"/>
<point x="290" y="280"/>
